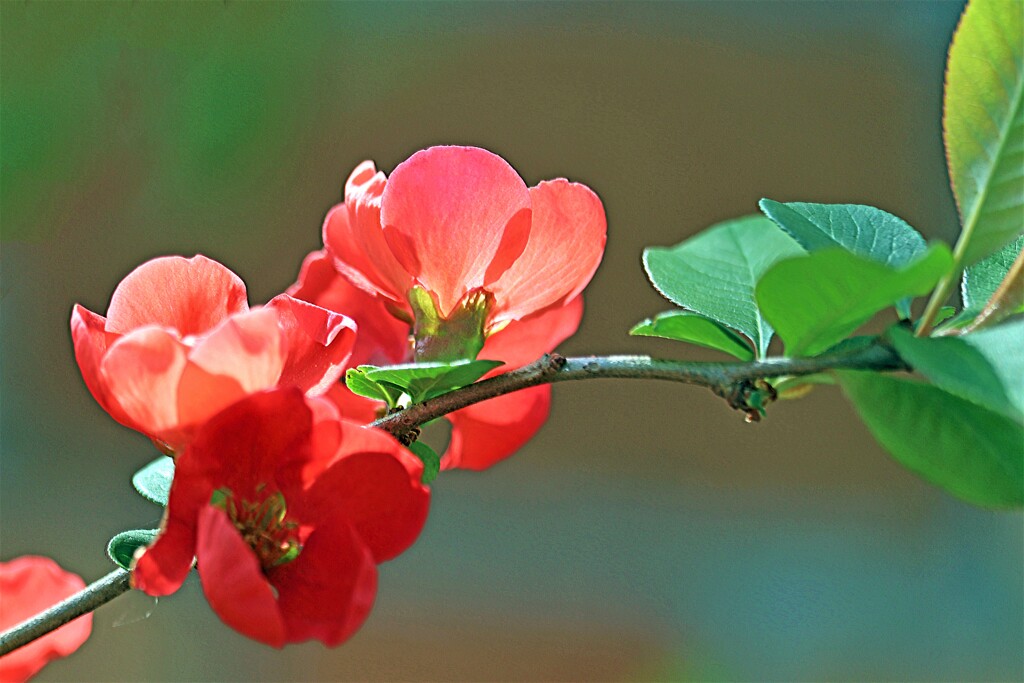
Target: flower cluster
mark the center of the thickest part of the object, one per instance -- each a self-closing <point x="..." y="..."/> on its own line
<point x="284" y="496"/>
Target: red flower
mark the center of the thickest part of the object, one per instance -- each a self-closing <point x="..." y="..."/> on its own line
<point x="459" y="225"/>
<point x="482" y="434"/>
<point x="288" y="510"/>
<point x="180" y="343"/>
<point x="29" y="585"/>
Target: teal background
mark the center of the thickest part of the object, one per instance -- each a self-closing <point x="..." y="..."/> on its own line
<point x="646" y="533"/>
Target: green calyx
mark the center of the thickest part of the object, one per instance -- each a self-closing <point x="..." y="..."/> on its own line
<point x="460" y="336"/>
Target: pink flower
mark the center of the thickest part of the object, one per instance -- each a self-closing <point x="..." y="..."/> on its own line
<point x="180" y="343"/>
<point x="28" y="586"/>
<point x="455" y="232"/>
<point x="288" y="510"/>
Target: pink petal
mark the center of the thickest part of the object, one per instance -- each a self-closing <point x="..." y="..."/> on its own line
<point x="327" y="592"/>
<point x="29" y="585"/>
<point x="524" y="341"/>
<point x="353" y="236"/>
<point x="317" y="343"/>
<point x="377" y="484"/>
<point x="456" y="218"/>
<point x="244" y="354"/>
<point x="488" y="432"/>
<point x="142" y="370"/>
<point x="233" y="580"/>
<point x="91" y="342"/>
<point x="188" y="295"/>
<point x="566" y="245"/>
<point x="381" y="339"/>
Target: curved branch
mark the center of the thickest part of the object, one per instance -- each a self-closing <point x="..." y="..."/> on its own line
<point x="737" y="382"/>
<point x="82" y="602"/>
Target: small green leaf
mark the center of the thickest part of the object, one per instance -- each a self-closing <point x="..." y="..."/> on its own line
<point x="122" y="547"/>
<point x="817" y="300"/>
<point x="956" y="365"/>
<point x="714" y="273"/>
<point x="695" y="329"/>
<point x="983" y="124"/>
<point x="154" y="480"/>
<point x="361" y="385"/>
<point x="427" y="380"/>
<point x="972" y="452"/>
<point x="431" y="460"/>
<point x="1003" y="348"/>
<point x="982" y="279"/>
<point x="864" y="230"/>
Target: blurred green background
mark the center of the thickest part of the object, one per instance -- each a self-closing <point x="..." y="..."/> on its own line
<point x="647" y="533"/>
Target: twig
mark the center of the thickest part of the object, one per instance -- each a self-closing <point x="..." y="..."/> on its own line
<point x="82" y="602"/>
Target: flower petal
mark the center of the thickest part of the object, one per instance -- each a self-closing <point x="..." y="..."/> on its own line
<point x="523" y="341"/>
<point x="91" y="342"/>
<point x="488" y="432"/>
<point x="317" y="344"/>
<point x="381" y="339"/>
<point x="353" y="236"/>
<point x="377" y="484"/>
<point x="188" y="295"/>
<point x="29" y="585"/>
<point x="327" y="592"/>
<point x="566" y="244"/>
<point x="455" y="218"/>
<point x="244" y="354"/>
<point x="142" y="370"/>
<point x="233" y="580"/>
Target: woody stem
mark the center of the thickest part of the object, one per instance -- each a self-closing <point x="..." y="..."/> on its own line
<point x="735" y="382"/>
<point x="84" y="601"/>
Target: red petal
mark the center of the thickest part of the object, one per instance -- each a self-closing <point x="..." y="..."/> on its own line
<point x="567" y="241"/>
<point x="142" y="370"/>
<point x="233" y="581"/>
<point x="317" y="343"/>
<point x="327" y="592"/>
<point x="29" y="585"/>
<point x="161" y="568"/>
<point x="524" y="341"/>
<point x="188" y="295"/>
<point x="353" y="236"/>
<point x="456" y="218"/>
<point x="381" y="339"/>
<point x="488" y="432"/>
<point x="91" y="342"/>
<point x="376" y="483"/>
<point x="243" y="355"/>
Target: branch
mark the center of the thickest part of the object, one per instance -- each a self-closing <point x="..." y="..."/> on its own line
<point x="738" y="383"/>
<point x="82" y="602"/>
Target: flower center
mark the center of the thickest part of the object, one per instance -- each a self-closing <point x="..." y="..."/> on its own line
<point x="263" y="525"/>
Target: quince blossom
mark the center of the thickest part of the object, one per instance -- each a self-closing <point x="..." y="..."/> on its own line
<point x="180" y="343"/>
<point x="287" y="509"/>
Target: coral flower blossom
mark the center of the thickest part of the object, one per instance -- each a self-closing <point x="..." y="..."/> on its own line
<point x="455" y="237"/>
<point x="482" y="434"/>
<point x="28" y="586"/>
<point x="179" y="343"/>
<point x="288" y="510"/>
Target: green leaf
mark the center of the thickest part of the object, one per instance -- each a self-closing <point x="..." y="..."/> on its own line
<point x="982" y="279"/>
<point x="122" y="547"/>
<point x="154" y="480"/>
<point x="972" y="452"/>
<point x="817" y="300"/>
<point x="431" y="460"/>
<point x="957" y="365"/>
<point x="695" y="329"/>
<point x="714" y="272"/>
<point x="864" y="230"/>
<point x="358" y="383"/>
<point x="984" y="126"/>
<point x="427" y="380"/>
<point x="1003" y="348"/>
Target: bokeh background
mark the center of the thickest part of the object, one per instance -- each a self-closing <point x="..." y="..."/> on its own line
<point x="647" y="533"/>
